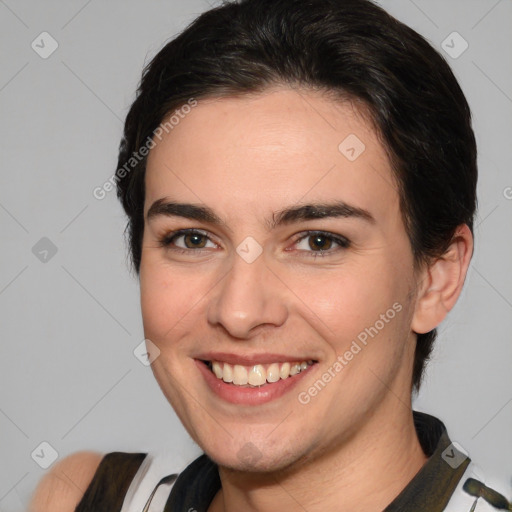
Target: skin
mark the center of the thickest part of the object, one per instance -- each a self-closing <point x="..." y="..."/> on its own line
<point x="63" y="486"/>
<point x="353" y="446"/>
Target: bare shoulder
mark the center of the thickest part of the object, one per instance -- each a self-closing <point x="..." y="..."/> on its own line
<point x="62" y="487"/>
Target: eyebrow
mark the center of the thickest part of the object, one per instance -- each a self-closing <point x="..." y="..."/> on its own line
<point x="289" y="215"/>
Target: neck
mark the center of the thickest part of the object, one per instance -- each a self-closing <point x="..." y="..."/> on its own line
<point x="365" y="472"/>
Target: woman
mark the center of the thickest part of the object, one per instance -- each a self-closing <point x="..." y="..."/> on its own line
<point x="300" y="183"/>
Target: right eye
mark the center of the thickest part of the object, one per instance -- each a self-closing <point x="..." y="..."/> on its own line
<point x="191" y="240"/>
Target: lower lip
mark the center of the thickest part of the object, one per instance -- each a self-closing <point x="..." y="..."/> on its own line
<point x="250" y="396"/>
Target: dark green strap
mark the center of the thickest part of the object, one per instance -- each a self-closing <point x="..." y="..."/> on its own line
<point x="432" y="487"/>
<point x="108" y="488"/>
<point x="478" y="489"/>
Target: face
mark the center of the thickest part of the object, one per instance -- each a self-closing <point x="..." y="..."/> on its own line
<point x="272" y="237"/>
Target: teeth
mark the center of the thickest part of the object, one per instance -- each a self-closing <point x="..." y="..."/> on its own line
<point x="257" y="375"/>
<point x="217" y="369"/>
<point x="295" y="369"/>
<point x="227" y="373"/>
<point x="240" y="376"/>
<point x="273" y="373"/>
<point x="284" y="372"/>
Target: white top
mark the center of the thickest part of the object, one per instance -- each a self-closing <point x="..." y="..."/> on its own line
<point x="147" y="494"/>
<point x="461" y="501"/>
<point x="154" y="467"/>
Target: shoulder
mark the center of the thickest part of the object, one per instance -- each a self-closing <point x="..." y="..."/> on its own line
<point x="477" y="492"/>
<point x="63" y="486"/>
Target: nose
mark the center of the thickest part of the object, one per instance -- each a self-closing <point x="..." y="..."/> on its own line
<point x="250" y="295"/>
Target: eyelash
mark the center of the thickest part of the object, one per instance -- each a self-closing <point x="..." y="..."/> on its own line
<point x="343" y="242"/>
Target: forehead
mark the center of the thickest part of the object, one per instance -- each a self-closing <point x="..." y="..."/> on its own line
<point x="279" y="146"/>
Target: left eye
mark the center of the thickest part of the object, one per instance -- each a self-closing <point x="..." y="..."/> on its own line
<point x="320" y="242"/>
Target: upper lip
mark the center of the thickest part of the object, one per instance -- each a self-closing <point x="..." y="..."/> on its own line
<point x="250" y="359"/>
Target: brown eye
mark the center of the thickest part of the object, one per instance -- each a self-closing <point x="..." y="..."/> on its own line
<point x="319" y="242"/>
<point x="186" y="239"/>
<point x="194" y="240"/>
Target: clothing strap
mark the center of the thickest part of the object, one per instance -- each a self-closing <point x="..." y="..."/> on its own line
<point x="108" y="487"/>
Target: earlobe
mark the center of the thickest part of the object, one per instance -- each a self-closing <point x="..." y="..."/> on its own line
<point x="441" y="282"/>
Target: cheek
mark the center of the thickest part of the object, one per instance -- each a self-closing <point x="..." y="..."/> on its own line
<point x="364" y="313"/>
<point x="167" y="299"/>
<point x="157" y="305"/>
<point x="174" y="300"/>
<point x="351" y="298"/>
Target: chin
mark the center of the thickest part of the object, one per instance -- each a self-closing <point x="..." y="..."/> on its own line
<point x="249" y="458"/>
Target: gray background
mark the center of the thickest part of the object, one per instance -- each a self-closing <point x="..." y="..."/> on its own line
<point x="69" y="325"/>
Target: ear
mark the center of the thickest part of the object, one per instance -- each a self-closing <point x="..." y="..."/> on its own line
<point x="440" y="284"/>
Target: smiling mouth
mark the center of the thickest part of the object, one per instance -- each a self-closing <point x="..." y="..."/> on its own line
<point x="256" y="375"/>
